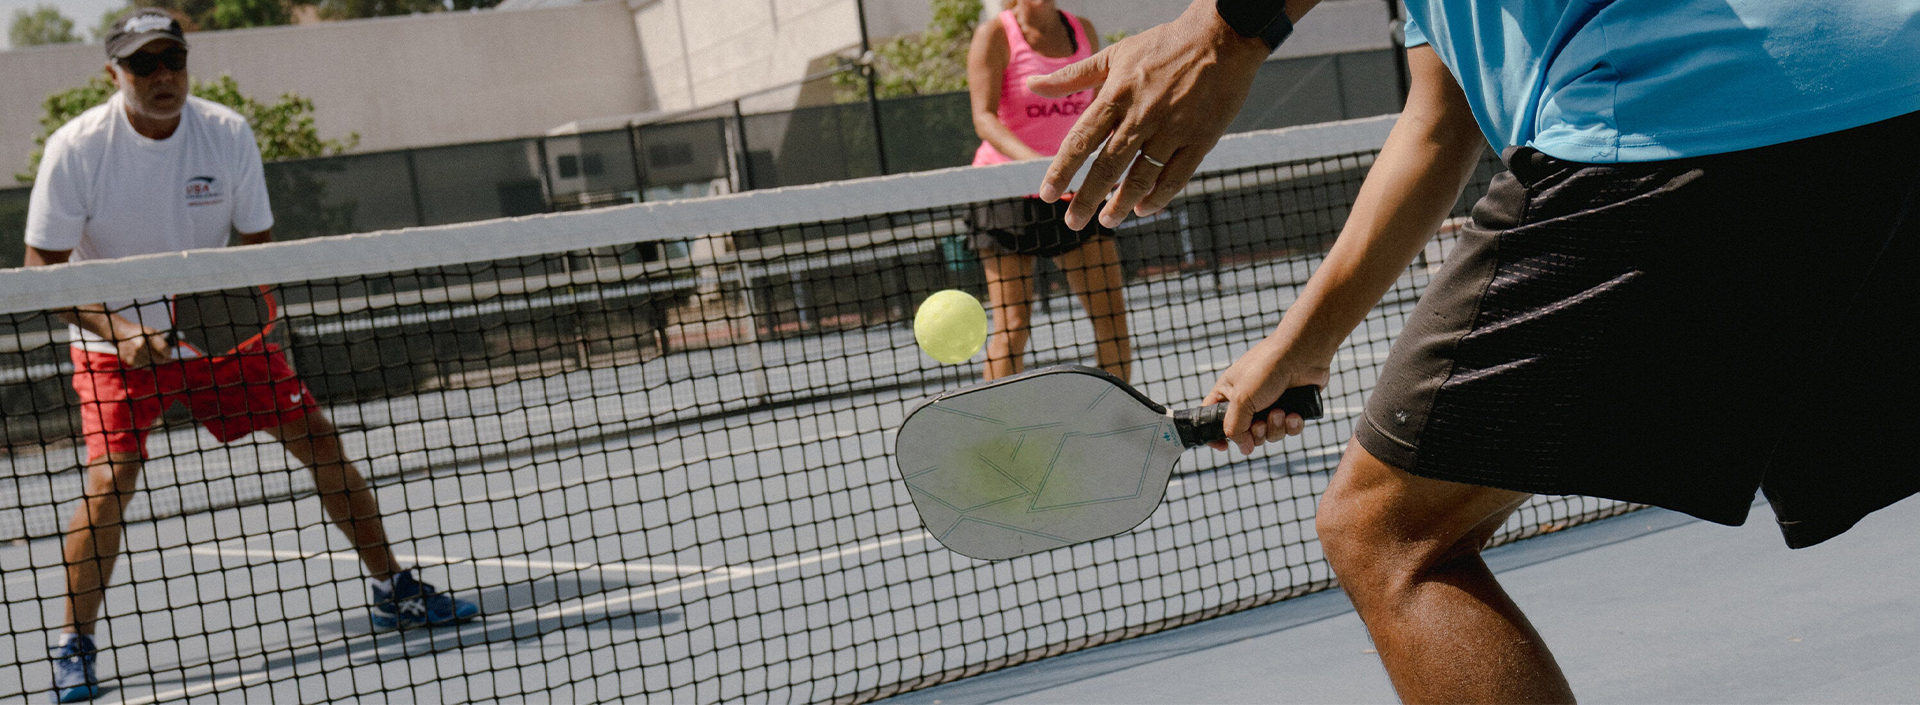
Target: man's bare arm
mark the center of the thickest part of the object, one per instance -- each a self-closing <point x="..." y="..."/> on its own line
<point x="259" y="238"/>
<point x="139" y="345"/>
<point x="1407" y="195"/>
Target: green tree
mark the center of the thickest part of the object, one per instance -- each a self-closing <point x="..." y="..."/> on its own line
<point x="42" y="25"/>
<point x="350" y="9"/>
<point x="225" y="14"/>
<point x="933" y="61"/>
<point x="108" y="18"/>
<point x="284" y="129"/>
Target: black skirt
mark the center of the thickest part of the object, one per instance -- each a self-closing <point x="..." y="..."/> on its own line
<point x="1027" y="226"/>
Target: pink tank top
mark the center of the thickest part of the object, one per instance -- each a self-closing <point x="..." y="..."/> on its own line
<point x="1042" y="123"/>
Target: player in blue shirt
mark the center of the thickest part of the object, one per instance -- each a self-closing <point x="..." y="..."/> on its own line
<point x="1697" y="278"/>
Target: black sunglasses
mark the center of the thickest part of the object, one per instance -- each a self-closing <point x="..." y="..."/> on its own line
<point x="143" y="65"/>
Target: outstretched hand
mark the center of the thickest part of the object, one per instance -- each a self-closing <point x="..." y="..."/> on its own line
<point x="1165" y="95"/>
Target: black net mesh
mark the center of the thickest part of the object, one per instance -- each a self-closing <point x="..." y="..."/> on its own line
<point x="661" y="468"/>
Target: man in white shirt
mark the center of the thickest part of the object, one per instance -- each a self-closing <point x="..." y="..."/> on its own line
<point x="157" y="170"/>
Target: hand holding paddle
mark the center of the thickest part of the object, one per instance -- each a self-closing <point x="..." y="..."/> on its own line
<point x="1256" y="381"/>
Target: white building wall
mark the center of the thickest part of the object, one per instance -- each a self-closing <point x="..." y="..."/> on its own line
<point x="398" y="82"/>
<point x="466" y="77"/>
<point x="707" y="52"/>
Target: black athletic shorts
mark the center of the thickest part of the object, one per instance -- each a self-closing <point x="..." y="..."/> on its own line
<point x="1028" y="226"/>
<point x="1677" y="333"/>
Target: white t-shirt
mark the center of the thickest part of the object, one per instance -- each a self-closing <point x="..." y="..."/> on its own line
<point x="105" y="191"/>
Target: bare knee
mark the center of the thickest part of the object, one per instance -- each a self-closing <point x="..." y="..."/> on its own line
<point x="1011" y="325"/>
<point x="113" y="476"/>
<point x="1383" y="529"/>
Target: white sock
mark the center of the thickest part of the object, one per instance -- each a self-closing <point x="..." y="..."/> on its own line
<point x="66" y="637"/>
<point x="381" y="585"/>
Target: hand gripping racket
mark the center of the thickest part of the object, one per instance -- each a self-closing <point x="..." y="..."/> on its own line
<point x="219" y="324"/>
<point x="1049" y="458"/>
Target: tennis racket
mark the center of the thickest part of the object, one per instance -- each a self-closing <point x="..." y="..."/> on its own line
<point x="1050" y="458"/>
<point x="220" y="324"/>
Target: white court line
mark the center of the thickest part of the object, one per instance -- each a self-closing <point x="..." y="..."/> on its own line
<point x="732" y="575"/>
<point x="126" y="558"/>
<point x="421" y="559"/>
<point x="724" y="574"/>
<point x="523" y="492"/>
<point x="190" y="691"/>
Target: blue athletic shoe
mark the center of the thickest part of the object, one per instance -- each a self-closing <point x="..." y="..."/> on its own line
<point x="412" y="603"/>
<point x="73" y="679"/>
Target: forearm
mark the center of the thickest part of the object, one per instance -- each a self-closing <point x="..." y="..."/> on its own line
<point x="1295" y="9"/>
<point x="1407" y="195"/>
<point x="93" y="318"/>
<point x="994" y="132"/>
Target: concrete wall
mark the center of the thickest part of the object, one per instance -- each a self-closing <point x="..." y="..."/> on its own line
<point x="398" y="82"/>
<point x="466" y="77"/>
<point x="705" y="52"/>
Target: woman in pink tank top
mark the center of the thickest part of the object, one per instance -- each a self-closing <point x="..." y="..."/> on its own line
<point x="1035" y="38"/>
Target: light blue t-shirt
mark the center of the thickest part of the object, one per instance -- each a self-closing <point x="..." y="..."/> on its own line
<point x="1642" y="80"/>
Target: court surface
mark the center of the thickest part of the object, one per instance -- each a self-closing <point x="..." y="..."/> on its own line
<point x="266" y="601"/>
<point x="1650" y="607"/>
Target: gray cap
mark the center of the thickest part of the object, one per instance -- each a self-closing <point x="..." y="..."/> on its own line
<point x="139" y="27"/>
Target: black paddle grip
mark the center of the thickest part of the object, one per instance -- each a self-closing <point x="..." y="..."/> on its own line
<point x="1203" y="425"/>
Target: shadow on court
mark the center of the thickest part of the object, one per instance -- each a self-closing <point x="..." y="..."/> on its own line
<point x="509" y="613"/>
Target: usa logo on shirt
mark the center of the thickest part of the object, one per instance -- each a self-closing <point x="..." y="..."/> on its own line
<point x="203" y="191"/>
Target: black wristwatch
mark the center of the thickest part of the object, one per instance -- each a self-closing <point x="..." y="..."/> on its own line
<point x="1266" y="19"/>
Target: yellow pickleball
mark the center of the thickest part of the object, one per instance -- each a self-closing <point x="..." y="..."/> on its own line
<point x="951" y="326"/>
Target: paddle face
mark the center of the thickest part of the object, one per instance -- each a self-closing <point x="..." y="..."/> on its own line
<point x="220" y="323"/>
<point x="1037" y="461"/>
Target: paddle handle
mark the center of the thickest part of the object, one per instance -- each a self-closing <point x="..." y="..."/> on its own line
<point x="1204" y="425"/>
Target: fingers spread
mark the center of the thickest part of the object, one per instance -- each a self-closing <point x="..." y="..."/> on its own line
<point x="1142" y="175"/>
<point x="1122" y="147"/>
<point x="1172" y="179"/>
<point x="1088" y="132"/>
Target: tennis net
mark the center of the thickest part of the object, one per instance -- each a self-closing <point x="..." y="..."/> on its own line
<point x="652" y="442"/>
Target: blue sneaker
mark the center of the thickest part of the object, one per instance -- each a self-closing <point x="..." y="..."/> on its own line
<point x="73" y="679"/>
<point x="412" y="603"/>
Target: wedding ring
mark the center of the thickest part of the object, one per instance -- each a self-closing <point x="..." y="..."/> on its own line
<point x="1151" y="160"/>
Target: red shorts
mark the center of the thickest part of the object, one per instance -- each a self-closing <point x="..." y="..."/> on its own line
<point x="232" y="398"/>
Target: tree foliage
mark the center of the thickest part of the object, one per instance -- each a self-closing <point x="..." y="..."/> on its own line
<point x="932" y="61"/>
<point x="350" y="9"/>
<point x="225" y="14"/>
<point x="42" y="25"/>
<point x="236" y="14"/>
<point x="107" y="19"/>
<point x="284" y="129"/>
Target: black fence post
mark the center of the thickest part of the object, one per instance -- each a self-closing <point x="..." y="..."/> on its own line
<point x="413" y="182"/>
<point x="873" y="100"/>
<point x="639" y="168"/>
<point x="742" y="164"/>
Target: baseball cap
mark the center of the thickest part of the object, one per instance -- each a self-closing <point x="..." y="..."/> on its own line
<point x="141" y="26"/>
